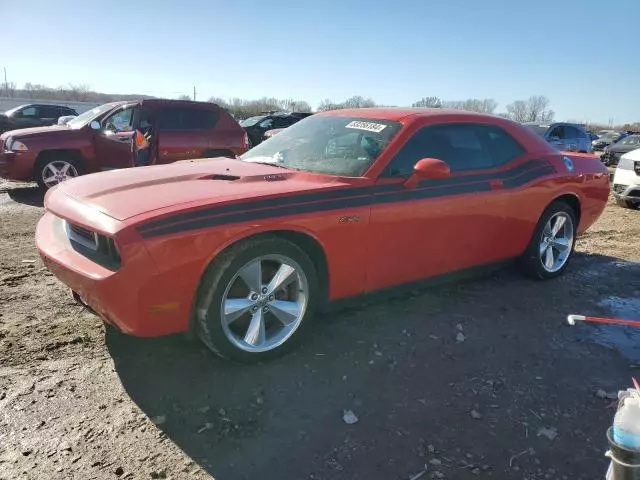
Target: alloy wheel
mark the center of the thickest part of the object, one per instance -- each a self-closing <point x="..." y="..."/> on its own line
<point x="58" y="171"/>
<point x="264" y="303"/>
<point x="556" y="242"/>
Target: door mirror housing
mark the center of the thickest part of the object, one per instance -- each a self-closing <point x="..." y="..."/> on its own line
<point x="94" y="125"/>
<point x="428" y="169"/>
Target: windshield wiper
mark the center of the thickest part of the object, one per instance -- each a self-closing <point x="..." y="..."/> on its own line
<point x="276" y="165"/>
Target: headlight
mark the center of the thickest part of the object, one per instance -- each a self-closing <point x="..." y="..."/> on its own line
<point x="15" y="145"/>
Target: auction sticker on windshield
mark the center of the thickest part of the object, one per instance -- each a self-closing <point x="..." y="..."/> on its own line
<point x="368" y="126"/>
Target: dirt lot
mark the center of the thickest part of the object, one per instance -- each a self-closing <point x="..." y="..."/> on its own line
<point x="514" y="399"/>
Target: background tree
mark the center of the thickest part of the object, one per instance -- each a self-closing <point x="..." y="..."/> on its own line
<point x="428" y="102"/>
<point x="184" y="97"/>
<point x="535" y="110"/>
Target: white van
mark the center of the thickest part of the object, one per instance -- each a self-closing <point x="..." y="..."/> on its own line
<point x="626" y="180"/>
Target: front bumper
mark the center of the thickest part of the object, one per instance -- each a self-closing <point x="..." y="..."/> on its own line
<point x="17" y="166"/>
<point x="125" y="298"/>
<point x="630" y="193"/>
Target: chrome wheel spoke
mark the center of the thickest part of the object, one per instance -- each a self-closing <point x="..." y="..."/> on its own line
<point x="283" y="277"/>
<point x="256" y="335"/>
<point x="562" y="244"/>
<point x="549" y="259"/>
<point x="560" y="221"/>
<point x="543" y="247"/>
<point x="65" y="169"/>
<point x="54" y="171"/>
<point x="285" y="311"/>
<point x="234" y="308"/>
<point x="251" y="275"/>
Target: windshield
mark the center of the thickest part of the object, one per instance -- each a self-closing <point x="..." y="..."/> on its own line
<point x="609" y="137"/>
<point x="539" y="129"/>
<point x="327" y="144"/>
<point x="630" y="140"/>
<point x="251" y="121"/>
<point x="8" y="113"/>
<point x="83" y="119"/>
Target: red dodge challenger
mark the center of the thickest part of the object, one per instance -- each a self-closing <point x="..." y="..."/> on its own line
<point x="244" y="251"/>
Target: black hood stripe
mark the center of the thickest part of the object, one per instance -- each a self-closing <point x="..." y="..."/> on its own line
<point x="366" y="197"/>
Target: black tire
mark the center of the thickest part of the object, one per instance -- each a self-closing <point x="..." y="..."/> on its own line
<point x="628" y="204"/>
<point x="531" y="261"/>
<point x="48" y="158"/>
<point x="219" y="276"/>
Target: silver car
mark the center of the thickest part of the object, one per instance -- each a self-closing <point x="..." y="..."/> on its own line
<point x="564" y="136"/>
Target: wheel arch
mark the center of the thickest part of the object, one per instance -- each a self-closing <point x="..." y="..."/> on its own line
<point x="69" y="152"/>
<point x="573" y="200"/>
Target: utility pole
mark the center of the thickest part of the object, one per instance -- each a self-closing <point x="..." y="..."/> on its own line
<point x="194" y="93"/>
<point x="6" y="84"/>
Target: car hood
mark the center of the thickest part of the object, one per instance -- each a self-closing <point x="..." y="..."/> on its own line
<point x="37" y="131"/>
<point x="123" y="194"/>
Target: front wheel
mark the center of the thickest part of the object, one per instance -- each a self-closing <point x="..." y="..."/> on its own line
<point x="256" y="299"/>
<point x="52" y="170"/>
<point x="552" y="244"/>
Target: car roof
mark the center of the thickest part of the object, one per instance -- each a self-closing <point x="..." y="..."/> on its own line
<point x="399" y="113"/>
<point x="160" y="102"/>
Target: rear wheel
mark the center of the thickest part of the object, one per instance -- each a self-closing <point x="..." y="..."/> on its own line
<point x="53" y="169"/>
<point x="628" y="203"/>
<point x="256" y="300"/>
<point x="552" y="244"/>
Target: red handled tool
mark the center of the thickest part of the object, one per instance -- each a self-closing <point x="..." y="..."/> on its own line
<point x="572" y="319"/>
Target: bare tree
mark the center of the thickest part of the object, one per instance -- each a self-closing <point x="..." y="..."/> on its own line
<point x="487" y="105"/>
<point x="534" y="110"/>
<point x="327" y="104"/>
<point x="184" y="97"/>
<point x="428" y="102"/>
<point x="357" y="101"/>
<point x="518" y="111"/>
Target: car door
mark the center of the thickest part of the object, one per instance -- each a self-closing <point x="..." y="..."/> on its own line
<point x="113" y="142"/>
<point x="573" y="139"/>
<point x="26" y="117"/>
<point x="48" y="114"/>
<point x="183" y="133"/>
<point x="556" y="137"/>
<point x="442" y="226"/>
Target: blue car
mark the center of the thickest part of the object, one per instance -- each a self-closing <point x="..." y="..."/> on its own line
<point x="564" y="136"/>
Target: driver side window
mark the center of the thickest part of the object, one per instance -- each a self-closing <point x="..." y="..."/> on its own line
<point x="29" y="112"/>
<point x="120" y="121"/>
<point x="557" y="132"/>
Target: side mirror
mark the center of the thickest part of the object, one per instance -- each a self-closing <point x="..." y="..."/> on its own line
<point x="428" y="169"/>
<point x="94" y="125"/>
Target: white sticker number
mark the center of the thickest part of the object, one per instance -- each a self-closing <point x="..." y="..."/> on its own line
<point x="368" y="126"/>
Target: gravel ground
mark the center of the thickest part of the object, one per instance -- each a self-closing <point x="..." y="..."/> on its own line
<point x="480" y="379"/>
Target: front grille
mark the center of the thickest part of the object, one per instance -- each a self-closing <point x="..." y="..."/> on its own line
<point x="83" y="236"/>
<point x="96" y="247"/>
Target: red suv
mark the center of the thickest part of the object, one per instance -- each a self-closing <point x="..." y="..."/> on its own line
<point x="101" y="139"/>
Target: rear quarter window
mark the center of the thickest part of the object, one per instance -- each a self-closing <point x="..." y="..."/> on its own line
<point x="185" y="119"/>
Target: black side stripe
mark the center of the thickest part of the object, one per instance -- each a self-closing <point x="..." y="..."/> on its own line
<point x="332" y="195"/>
<point x="272" y="202"/>
<point x="291" y="205"/>
<point x="406" y="195"/>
